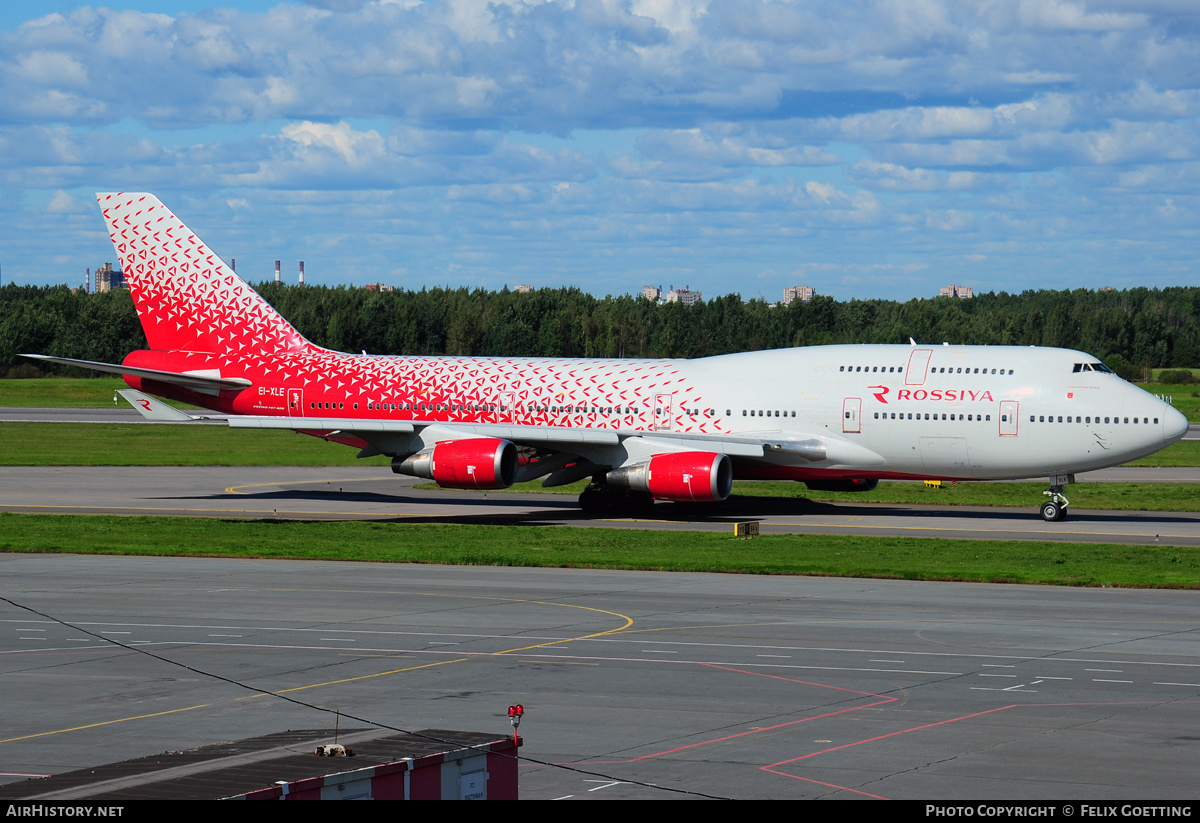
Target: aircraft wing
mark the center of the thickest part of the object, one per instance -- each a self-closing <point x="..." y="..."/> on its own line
<point x="398" y="437"/>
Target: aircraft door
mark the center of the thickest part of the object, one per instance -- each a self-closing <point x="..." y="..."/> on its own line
<point x="1008" y="418"/>
<point x="663" y="418"/>
<point x="295" y="402"/>
<point x="851" y="412"/>
<point x="918" y="365"/>
<point x="507" y="412"/>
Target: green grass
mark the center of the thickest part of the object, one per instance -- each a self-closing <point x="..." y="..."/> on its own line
<point x="1184" y="398"/>
<point x="1185" y="453"/>
<point x="87" y="444"/>
<point x="1075" y="564"/>
<point x="61" y="392"/>
<point x="1161" y="497"/>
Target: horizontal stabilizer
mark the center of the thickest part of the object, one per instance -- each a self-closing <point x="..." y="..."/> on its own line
<point x="196" y="382"/>
<point x="154" y="409"/>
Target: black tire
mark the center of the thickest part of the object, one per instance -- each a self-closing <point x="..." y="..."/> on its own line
<point x="1052" y="512"/>
<point x="592" y="500"/>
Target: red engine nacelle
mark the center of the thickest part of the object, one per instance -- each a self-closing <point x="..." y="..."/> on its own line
<point x="478" y="463"/>
<point x="682" y="476"/>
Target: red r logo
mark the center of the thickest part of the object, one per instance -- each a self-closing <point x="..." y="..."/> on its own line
<point x="146" y="405"/>
<point x="880" y="395"/>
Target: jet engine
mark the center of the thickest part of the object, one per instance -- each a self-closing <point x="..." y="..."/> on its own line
<point x="681" y="476"/>
<point x="476" y="463"/>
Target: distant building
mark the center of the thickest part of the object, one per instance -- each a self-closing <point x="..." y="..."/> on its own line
<point x="961" y="292"/>
<point x="801" y="293"/>
<point x="379" y="287"/>
<point x="685" y="296"/>
<point x="522" y="289"/>
<point x="108" y="278"/>
<point x="652" y="293"/>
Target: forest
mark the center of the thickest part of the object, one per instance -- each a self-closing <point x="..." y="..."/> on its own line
<point x="1131" y="330"/>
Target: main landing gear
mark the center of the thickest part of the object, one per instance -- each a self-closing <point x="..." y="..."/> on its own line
<point x="603" y="500"/>
<point x="1055" y="509"/>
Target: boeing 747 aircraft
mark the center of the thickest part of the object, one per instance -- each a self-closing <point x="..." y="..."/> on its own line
<point x="833" y="417"/>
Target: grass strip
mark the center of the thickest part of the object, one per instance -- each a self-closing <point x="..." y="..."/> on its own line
<point x="1153" y="497"/>
<point x="1074" y="564"/>
<point x="90" y="444"/>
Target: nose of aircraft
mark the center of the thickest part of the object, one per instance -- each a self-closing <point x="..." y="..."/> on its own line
<point x="1175" y="426"/>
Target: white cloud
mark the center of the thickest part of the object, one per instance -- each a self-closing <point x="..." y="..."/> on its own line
<point x="52" y="68"/>
<point x="354" y="147"/>
<point x="712" y="136"/>
<point x="62" y="203"/>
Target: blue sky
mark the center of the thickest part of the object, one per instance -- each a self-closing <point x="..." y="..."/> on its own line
<point x="868" y="149"/>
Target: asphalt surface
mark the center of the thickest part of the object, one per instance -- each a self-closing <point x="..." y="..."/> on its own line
<point x="648" y="684"/>
<point x="374" y="493"/>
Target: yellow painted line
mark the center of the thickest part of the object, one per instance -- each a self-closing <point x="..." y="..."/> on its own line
<point x="234" y="489"/>
<point x="305" y="513"/>
<point x="628" y="622"/>
<point x="349" y="679"/>
<point x="104" y="723"/>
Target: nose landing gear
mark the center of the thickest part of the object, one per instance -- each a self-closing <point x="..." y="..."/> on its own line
<point x="1055" y="509"/>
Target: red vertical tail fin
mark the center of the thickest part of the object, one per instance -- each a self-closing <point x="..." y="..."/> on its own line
<point x="186" y="297"/>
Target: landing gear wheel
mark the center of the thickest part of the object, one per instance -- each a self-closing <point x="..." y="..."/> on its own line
<point x="602" y="500"/>
<point x="1054" y="510"/>
<point x="594" y="500"/>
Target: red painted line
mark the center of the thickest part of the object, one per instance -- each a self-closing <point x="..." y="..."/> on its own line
<point x="764" y="729"/>
<point x="883" y="701"/>
<point x="794" y="680"/>
<point x="830" y="785"/>
<point x="891" y="734"/>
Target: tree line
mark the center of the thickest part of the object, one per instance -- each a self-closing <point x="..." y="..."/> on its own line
<point x="1130" y="329"/>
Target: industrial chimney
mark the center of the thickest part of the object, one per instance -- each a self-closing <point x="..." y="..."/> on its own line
<point x="276" y="272"/>
<point x="301" y="283"/>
